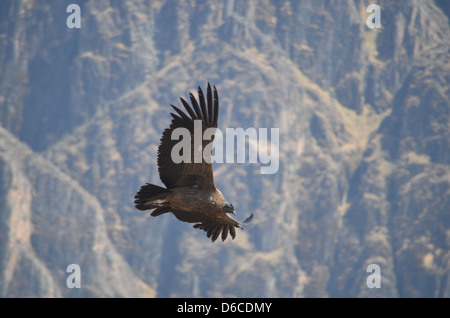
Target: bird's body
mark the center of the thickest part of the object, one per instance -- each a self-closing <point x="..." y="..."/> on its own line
<point x="190" y="193"/>
<point x="199" y="200"/>
<point x="210" y="201"/>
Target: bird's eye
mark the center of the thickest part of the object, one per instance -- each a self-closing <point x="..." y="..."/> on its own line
<point x="232" y="207"/>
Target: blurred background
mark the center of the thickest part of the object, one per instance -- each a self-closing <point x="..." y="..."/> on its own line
<point x="364" y="119"/>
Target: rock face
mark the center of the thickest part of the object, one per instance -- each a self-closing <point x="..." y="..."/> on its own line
<point x="364" y="147"/>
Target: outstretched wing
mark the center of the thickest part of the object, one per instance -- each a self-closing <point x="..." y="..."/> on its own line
<point x="198" y="170"/>
<point x="214" y="225"/>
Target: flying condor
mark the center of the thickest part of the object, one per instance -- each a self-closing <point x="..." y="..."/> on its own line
<point x="190" y="193"/>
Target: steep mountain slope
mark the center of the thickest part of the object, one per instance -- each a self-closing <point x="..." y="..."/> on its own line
<point x="48" y="223"/>
<point x="363" y="118"/>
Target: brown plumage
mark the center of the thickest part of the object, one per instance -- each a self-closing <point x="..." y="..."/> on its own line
<point x="190" y="193"/>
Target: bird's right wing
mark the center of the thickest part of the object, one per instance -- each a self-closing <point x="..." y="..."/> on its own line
<point x="214" y="225"/>
<point x="219" y="224"/>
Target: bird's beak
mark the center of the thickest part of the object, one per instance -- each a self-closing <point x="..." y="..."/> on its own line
<point x="234" y="213"/>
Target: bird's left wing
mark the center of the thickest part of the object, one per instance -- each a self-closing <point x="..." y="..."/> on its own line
<point x="191" y="173"/>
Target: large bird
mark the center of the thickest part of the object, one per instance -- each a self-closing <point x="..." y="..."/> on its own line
<point x="190" y="193"/>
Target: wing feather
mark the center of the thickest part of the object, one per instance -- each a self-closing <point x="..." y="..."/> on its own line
<point x="183" y="115"/>
<point x="212" y="230"/>
<point x="225" y="232"/>
<point x="194" y="103"/>
<point x="216" y="106"/>
<point x="233" y="232"/>
<point x="209" y="95"/>
<point x="201" y="99"/>
<point x="217" y="232"/>
<point x="188" y="109"/>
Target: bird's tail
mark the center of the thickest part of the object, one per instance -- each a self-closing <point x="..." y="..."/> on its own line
<point x="150" y="197"/>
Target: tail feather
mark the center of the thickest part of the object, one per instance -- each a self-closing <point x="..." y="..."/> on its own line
<point x="151" y="196"/>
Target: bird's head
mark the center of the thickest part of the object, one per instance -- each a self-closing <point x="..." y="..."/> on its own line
<point x="228" y="208"/>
